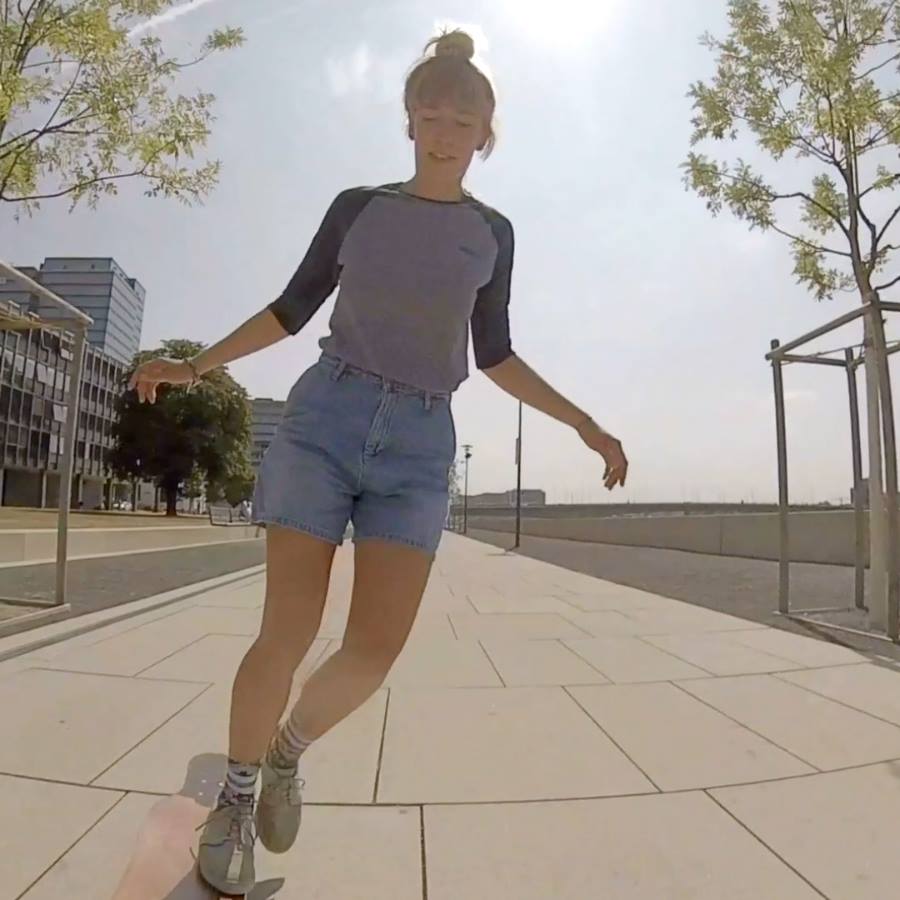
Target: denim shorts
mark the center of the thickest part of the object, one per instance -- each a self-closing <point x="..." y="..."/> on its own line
<point x="355" y="447"/>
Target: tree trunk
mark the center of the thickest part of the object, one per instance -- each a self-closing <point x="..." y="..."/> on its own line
<point x="171" y="501"/>
<point x="878" y="549"/>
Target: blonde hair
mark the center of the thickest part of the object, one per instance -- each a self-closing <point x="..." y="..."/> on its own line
<point x="450" y="73"/>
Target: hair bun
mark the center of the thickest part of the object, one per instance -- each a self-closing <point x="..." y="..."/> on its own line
<point x="454" y="43"/>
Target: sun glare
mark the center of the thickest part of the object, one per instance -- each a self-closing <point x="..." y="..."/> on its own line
<point x="562" y="22"/>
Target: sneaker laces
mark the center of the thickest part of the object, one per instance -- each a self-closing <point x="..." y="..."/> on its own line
<point x="241" y="826"/>
<point x="289" y="787"/>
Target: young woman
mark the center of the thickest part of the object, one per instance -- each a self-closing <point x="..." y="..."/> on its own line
<point x="368" y="437"/>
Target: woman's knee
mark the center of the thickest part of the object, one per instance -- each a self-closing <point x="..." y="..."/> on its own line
<point x="372" y="656"/>
<point x="283" y="649"/>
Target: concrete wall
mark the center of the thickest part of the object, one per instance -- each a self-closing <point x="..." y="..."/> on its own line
<point x="822" y="537"/>
<point x="25" y="546"/>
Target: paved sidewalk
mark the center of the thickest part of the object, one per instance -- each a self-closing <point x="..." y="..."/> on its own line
<point x="545" y="735"/>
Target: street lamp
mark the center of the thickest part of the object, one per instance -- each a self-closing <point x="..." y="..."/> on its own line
<point x="519" y="480"/>
<point x="468" y="453"/>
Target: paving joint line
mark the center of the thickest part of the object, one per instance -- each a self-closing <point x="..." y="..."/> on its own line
<point x="731" y="718"/>
<point x="609" y="737"/>
<point x="757" y="838"/>
<point x="387" y="703"/>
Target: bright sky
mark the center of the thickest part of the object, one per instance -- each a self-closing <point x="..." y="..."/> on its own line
<point x="628" y="297"/>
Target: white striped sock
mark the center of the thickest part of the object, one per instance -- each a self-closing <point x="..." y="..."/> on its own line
<point x="240" y="782"/>
<point x="289" y="745"/>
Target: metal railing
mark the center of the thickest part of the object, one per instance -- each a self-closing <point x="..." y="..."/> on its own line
<point x="781" y="355"/>
<point x="77" y="323"/>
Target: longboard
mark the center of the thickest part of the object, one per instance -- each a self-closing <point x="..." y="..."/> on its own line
<point x="163" y="865"/>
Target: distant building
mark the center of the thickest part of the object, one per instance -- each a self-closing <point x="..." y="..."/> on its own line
<point x="97" y="286"/>
<point x="35" y="376"/>
<point x="507" y="498"/>
<point x="265" y="418"/>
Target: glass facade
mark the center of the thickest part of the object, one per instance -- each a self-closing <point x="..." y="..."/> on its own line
<point x="35" y="375"/>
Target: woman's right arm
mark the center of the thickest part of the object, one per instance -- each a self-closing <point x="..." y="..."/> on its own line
<point x="261" y="331"/>
<point x="315" y="279"/>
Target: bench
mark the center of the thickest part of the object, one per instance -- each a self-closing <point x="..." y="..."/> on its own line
<point x="225" y="515"/>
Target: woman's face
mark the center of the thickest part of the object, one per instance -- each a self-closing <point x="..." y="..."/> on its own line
<point x="446" y="137"/>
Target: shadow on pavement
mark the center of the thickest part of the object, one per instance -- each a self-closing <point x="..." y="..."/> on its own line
<point x="162" y="865"/>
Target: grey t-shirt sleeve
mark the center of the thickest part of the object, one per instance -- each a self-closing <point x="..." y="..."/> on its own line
<point x="317" y="275"/>
<point x="490" y="318"/>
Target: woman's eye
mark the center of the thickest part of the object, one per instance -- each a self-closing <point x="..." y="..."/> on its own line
<point x="464" y="124"/>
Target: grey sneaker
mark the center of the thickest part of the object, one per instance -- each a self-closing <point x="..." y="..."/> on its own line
<point x="225" y="855"/>
<point x="279" y="809"/>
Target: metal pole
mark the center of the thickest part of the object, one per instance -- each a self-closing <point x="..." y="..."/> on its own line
<point x="859" y="511"/>
<point x="784" y="599"/>
<point x="890" y="468"/>
<point x="65" y="482"/>
<point x="468" y="452"/>
<point x="519" y="481"/>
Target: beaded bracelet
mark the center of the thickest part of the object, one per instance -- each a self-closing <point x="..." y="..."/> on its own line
<point x="192" y="366"/>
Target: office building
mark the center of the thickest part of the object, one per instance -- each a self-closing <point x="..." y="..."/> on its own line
<point x="35" y="376"/>
<point x="265" y="418"/>
<point x="507" y="498"/>
<point x="99" y="287"/>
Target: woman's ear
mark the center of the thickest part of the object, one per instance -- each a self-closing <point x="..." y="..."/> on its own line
<point x="409" y="130"/>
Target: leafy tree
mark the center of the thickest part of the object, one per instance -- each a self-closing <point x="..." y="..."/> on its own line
<point x="809" y="79"/>
<point x="814" y="83"/>
<point x="86" y="100"/>
<point x="194" y="486"/>
<point x="237" y="484"/>
<point x="206" y="429"/>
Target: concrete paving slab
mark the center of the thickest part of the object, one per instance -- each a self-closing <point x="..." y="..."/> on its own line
<point x="41" y="821"/>
<point x="681" y="743"/>
<point x="826" y="734"/>
<point x="483" y="744"/>
<point x="628" y="659"/>
<point x="676" y="847"/>
<point x="871" y="688"/>
<point x="535" y="663"/>
<point x="443" y="663"/>
<point x="71" y="727"/>
<point x="474" y="626"/>
<point x="719" y="654"/>
<point x="839" y="829"/>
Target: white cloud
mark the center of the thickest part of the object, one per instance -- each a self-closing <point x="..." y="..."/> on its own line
<point x="350" y="74"/>
<point x="362" y="71"/>
<point x="169" y="15"/>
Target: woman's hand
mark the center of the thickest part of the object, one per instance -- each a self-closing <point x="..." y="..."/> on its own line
<point x="149" y="375"/>
<point x="610" y="449"/>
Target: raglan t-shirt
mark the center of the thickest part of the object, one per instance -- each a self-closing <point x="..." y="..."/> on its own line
<point x="415" y="275"/>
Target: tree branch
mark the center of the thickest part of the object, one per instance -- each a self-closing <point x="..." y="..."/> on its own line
<point x="48" y="62"/>
<point x="81" y="185"/>
<point x="40" y="134"/>
<point x="887" y="224"/>
<point x="813" y="246"/>
<point x="887" y="12"/>
<point x="887" y="284"/>
<point x="881" y="65"/>
<point x="828" y="212"/>
<point x="895" y="177"/>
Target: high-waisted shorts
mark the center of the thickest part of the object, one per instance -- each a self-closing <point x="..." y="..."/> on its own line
<point x="355" y="447"/>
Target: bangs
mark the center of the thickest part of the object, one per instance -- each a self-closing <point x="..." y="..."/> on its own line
<point x="458" y="86"/>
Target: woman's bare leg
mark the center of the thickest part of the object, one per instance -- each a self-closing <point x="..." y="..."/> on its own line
<point x="298" y="568"/>
<point x="388" y="583"/>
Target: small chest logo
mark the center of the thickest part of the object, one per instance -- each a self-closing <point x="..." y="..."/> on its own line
<point x="469" y="251"/>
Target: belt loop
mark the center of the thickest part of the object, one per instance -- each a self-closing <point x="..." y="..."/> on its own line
<point x="338" y="370"/>
<point x="427" y="400"/>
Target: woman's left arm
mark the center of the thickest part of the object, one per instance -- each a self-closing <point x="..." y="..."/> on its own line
<point x="519" y="380"/>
